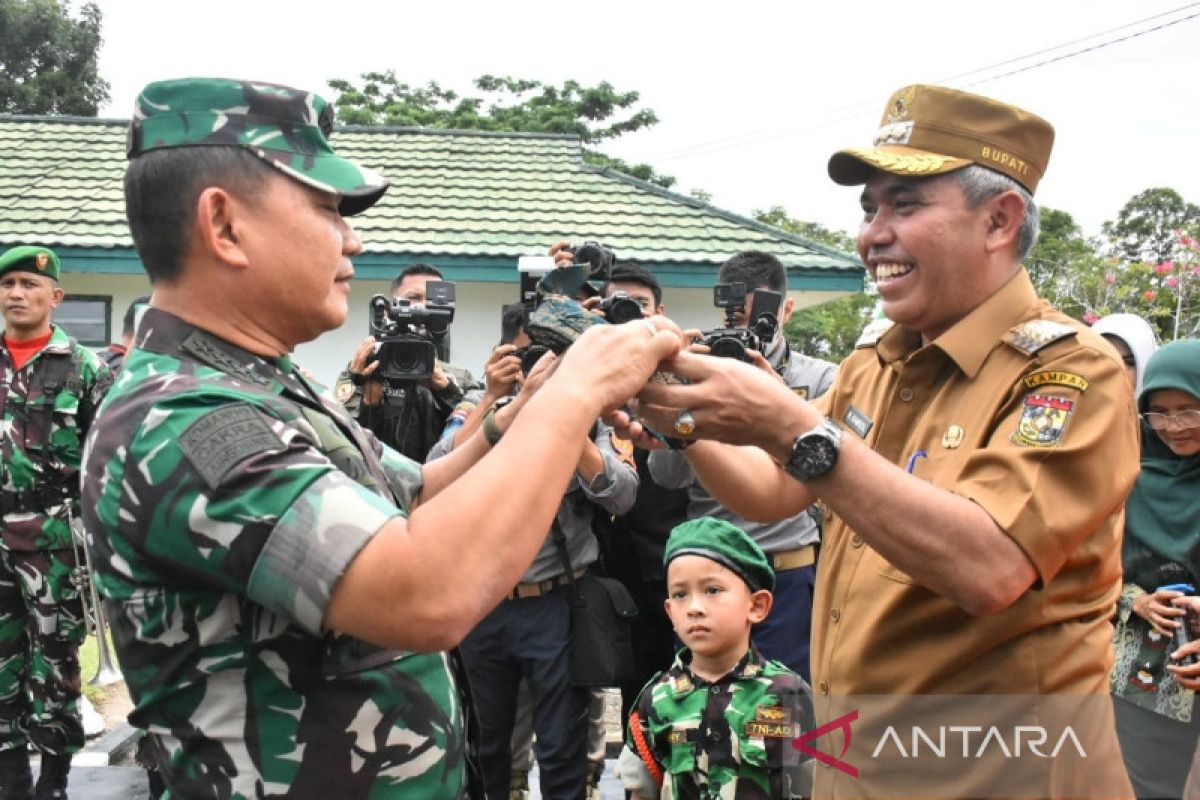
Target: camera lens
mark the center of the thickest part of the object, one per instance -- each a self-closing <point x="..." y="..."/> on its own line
<point x="729" y="347"/>
<point x="618" y="310"/>
<point x="531" y="355"/>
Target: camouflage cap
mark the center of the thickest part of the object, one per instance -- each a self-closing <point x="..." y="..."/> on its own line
<point x="287" y="128"/>
<point x="930" y="130"/>
<point x="31" y="258"/>
<point x="725" y="543"/>
<point x="558" y="321"/>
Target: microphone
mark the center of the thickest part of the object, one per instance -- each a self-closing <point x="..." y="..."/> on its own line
<point x="1175" y="577"/>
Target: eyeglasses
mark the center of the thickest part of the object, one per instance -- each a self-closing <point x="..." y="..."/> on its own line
<point x="1183" y="420"/>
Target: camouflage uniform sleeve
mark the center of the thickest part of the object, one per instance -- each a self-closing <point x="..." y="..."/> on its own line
<point x="234" y="497"/>
<point x="404" y="475"/>
<point x="97" y="380"/>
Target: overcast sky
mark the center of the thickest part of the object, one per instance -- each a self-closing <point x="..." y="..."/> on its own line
<point x="753" y="97"/>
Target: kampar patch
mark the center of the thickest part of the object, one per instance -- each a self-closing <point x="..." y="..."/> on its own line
<point x="1055" y="378"/>
<point x="225" y="437"/>
<point x="1043" y="420"/>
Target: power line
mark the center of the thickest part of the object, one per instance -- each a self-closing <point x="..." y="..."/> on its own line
<point x="766" y="135"/>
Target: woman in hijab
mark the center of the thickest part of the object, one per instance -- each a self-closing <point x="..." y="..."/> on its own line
<point x="1134" y="341"/>
<point x="1158" y="718"/>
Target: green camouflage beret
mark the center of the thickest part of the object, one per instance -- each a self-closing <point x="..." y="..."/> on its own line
<point x="724" y="543"/>
<point x="558" y="321"/>
<point x="287" y="128"/>
<point x="30" y="258"/>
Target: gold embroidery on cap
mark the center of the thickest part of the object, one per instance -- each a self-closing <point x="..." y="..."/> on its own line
<point x="1003" y="159"/>
<point x="953" y="437"/>
<point x="923" y="164"/>
<point x="41" y="260"/>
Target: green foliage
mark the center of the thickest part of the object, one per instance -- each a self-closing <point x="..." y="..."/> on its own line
<point x="1145" y="226"/>
<point x="777" y="217"/>
<point x="828" y="330"/>
<point x="1070" y="271"/>
<point x="593" y="113"/>
<point x="48" y="59"/>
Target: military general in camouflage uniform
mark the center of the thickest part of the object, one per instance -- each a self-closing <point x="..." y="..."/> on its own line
<point x="50" y="387"/>
<point x="721" y="721"/>
<point x="284" y="591"/>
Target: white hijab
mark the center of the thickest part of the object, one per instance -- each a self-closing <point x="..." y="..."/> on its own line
<point x="1137" y="335"/>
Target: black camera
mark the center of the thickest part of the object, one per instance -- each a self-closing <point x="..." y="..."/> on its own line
<point x="620" y="308"/>
<point x="596" y="259"/>
<point x="408" y="333"/>
<point x="530" y="355"/>
<point x="733" y="341"/>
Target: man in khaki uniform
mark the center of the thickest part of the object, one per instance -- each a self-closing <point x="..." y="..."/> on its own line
<point x="975" y="458"/>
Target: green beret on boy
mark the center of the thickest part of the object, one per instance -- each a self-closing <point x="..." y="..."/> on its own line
<point x="30" y="258"/>
<point x="724" y="543"/>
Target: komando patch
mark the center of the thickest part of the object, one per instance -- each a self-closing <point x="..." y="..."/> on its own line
<point x="225" y="437"/>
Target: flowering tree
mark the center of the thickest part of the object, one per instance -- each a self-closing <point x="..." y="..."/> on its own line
<point x="1160" y="283"/>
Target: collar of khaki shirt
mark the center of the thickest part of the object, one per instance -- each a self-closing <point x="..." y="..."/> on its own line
<point x="972" y="338"/>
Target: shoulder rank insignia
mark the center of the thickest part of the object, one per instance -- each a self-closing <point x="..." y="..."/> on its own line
<point x="1032" y="335"/>
<point x="1043" y="419"/>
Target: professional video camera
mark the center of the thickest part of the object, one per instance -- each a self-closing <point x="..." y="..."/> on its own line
<point x="733" y="341"/>
<point x="408" y="333"/>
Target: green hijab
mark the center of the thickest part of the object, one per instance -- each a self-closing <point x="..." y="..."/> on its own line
<point x="1162" y="515"/>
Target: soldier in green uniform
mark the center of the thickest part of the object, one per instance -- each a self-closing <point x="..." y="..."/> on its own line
<point x="720" y="722"/>
<point x="284" y="591"/>
<point x="50" y="387"/>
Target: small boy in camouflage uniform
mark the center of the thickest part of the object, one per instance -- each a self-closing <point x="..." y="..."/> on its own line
<point x="720" y="722"/>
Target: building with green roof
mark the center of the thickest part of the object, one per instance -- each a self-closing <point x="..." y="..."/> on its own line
<point x="469" y="202"/>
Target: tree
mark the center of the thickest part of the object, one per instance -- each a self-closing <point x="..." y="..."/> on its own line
<point x="1066" y="267"/>
<point x="1145" y="228"/>
<point x="48" y="59"/>
<point x="828" y="330"/>
<point x="593" y="113"/>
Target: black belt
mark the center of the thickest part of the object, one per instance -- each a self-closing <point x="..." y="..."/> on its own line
<point x="32" y="500"/>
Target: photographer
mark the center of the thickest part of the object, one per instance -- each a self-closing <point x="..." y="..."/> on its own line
<point x="791" y="543"/>
<point x="526" y="637"/>
<point x="407" y="417"/>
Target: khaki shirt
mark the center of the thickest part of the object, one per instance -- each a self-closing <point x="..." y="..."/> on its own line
<point x="1034" y="423"/>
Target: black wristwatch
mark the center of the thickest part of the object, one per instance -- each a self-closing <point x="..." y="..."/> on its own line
<point x="815" y="453"/>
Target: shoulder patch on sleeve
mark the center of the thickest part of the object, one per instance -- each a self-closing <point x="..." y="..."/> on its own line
<point x="1043" y="420"/>
<point x="1055" y="378"/>
<point x="801" y="392"/>
<point x="1034" y="334"/>
<point x="224" y="437"/>
<point x="343" y="391"/>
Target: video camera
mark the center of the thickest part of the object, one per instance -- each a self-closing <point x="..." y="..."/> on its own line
<point x="733" y="341"/>
<point x="408" y="333"/>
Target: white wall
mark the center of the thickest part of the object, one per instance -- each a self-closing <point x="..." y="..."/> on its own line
<point x="474" y="333"/>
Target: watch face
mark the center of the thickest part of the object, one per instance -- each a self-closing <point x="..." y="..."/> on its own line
<point x="813" y="457"/>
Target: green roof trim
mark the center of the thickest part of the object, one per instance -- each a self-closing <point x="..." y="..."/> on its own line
<point x="471" y="202"/>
